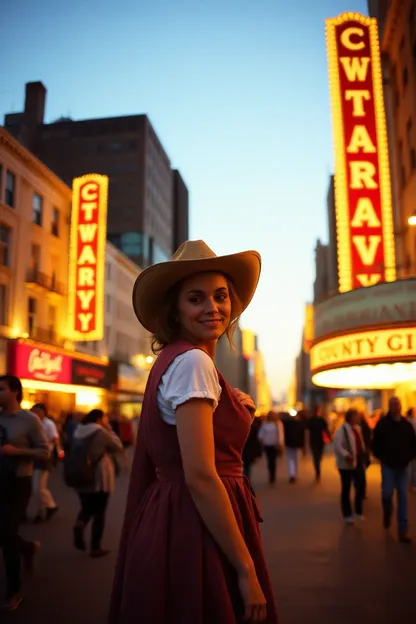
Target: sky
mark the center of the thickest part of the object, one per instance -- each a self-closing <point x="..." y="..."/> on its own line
<point x="237" y="92"/>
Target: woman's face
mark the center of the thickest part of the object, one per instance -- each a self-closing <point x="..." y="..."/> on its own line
<point x="204" y="307"/>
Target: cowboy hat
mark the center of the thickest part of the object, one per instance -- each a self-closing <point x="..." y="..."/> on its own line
<point x="193" y="257"/>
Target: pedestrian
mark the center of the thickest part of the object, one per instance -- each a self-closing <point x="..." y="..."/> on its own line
<point x="316" y="435"/>
<point x="394" y="444"/>
<point x="272" y="437"/>
<point x="191" y="546"/>
<point x="46" y="507"/>
<point x="412" y="466"/>
<point x="252" y="450"/>
<point x="99" y="441"/>
<point x="294" y="432"/>
<point x="22" y="441"/>
<point x="350" y="455"/>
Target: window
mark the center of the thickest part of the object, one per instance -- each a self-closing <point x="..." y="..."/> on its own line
<point x="35" y="258"/>
<point x="37" y="209"/>
<point x="3" y="304"/>
<point x="10" y="190"/>
<point x="55" y="222"/>
<point x="5" y="237"/>
<point x="31" y="315"/>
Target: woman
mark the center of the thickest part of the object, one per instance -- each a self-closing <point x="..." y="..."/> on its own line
<point x="350" y="454"/>
<point x="272" y="437"/>
<point x="191" y="548"/>
<point x="95" y="434"/>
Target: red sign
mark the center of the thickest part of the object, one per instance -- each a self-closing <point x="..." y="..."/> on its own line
<point x="362" y="175"/>
<point x="35" y="362"/>
<point x="87" y="257"/>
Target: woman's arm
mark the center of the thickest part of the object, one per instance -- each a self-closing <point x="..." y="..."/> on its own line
<point x="194" y="422"/>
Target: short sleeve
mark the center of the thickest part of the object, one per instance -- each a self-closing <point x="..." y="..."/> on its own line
<point x="51" y="430"/>
<point x="191" y="375"/>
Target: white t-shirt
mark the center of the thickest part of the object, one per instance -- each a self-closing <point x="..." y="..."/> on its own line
<point x="192" y="375"/>
<point x="50" y="429"/>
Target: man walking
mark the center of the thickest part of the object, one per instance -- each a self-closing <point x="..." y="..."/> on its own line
<point x="45" y="503"/>
<point x="316" y="432"/>
<point x="394" y="444"/>
<point x="22" y="440"/>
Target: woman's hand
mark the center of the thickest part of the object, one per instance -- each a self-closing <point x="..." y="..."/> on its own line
<point x="253" y="597"/>
<point x="245" y="400"/>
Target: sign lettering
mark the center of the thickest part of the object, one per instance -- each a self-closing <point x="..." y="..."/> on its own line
<point x="87" y="258"/>
<point x="366" y="253"/>
<point x="372" y="347"/>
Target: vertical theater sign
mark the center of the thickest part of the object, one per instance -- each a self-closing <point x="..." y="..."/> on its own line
<point x="365" y="237"/>
<point x="87" y="258"/>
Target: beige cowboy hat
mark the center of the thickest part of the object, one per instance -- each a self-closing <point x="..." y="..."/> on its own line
<point x="193" y="257"/>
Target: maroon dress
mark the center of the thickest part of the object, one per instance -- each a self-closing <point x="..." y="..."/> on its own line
<point x="169" y="569"/>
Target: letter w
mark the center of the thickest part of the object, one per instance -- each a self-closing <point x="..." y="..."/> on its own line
<point x="355" y="67"/>
<point x="87" y="232"/>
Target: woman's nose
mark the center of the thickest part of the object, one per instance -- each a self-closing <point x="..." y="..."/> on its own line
<point x="211" y="305"/>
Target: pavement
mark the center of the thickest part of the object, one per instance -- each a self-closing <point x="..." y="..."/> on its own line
<point x="322" y="571"/>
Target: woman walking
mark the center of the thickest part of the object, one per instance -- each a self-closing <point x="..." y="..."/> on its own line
<point x="350" y="454"/>
<point x="191" y="547"/>
<point x="99" y="442"/>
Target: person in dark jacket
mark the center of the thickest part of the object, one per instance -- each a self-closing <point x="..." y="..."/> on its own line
<point x="316" y="430"/>
<point x="394" y="444"/>
<point x="294" y="429"/>
<point x="367" y="436"/>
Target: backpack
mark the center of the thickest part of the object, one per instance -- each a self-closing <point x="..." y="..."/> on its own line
<point x="79" y="469"/>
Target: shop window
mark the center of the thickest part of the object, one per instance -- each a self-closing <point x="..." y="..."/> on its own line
<point x="31" y="315"/>
<point x="55" y="222"/>
<point x="3" y="304"/>
<point x="37" y="209"/>
<point x="5" y="240"/>
<point x="10" y="189"/>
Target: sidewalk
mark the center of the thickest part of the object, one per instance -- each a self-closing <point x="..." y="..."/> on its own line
<point x="322" y="572"/>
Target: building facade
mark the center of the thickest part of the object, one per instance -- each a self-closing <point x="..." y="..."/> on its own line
<point x="365" y="337"/>
<point x="397" y="26"/>
<point x="35" y="208"/>
<point x="148" y="204"/>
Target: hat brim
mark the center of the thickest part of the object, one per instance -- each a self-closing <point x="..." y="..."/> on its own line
<point x="154" y="282"/>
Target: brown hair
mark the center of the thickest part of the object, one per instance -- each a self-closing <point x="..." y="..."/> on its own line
<point x="168" y="326"/>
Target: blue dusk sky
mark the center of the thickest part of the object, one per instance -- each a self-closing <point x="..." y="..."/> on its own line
<point x="237" y="92"/>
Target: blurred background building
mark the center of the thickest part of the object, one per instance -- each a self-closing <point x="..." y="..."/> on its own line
<point x="148" y="202"/>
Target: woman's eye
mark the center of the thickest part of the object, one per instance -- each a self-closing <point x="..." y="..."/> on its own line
<point x="221" y="297"/>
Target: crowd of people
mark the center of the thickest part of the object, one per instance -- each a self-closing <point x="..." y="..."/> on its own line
<point x="31" y="446"/>
<point x="392" y="443"/>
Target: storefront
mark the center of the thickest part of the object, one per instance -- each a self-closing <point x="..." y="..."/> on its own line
<point x="366" y="339"/>
<point x="66" y="384"/>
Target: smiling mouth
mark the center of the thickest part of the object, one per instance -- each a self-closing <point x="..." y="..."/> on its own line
<point x="211" y="322"/>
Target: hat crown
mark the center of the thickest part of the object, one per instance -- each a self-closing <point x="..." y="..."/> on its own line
<point x="193" y="250"/>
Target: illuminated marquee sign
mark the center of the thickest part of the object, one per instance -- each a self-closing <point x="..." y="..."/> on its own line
<point x="364" y="218"/>
<point x="87" y="257"/>
<point x="370" y="347"/>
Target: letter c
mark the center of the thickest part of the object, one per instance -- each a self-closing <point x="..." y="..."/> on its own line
<point x="89" y="191"/>
<point x="346" y="38"/>
<point x="395" y="346"/>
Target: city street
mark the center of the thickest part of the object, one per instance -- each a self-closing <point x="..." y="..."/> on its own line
<point x="322" y="571"/>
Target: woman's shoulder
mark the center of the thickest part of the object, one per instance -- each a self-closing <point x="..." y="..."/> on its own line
<point x="191" y="360"/>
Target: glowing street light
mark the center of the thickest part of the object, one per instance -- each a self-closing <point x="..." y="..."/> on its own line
<point x="412" y="220"/>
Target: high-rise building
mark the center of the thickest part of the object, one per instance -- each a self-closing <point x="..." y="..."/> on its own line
<point x="148" y="204"/>
<point x="397" y="27"/>
<point x="180" y="210"/>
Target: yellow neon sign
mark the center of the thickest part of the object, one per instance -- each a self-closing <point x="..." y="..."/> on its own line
<point x="87" y="258"/>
